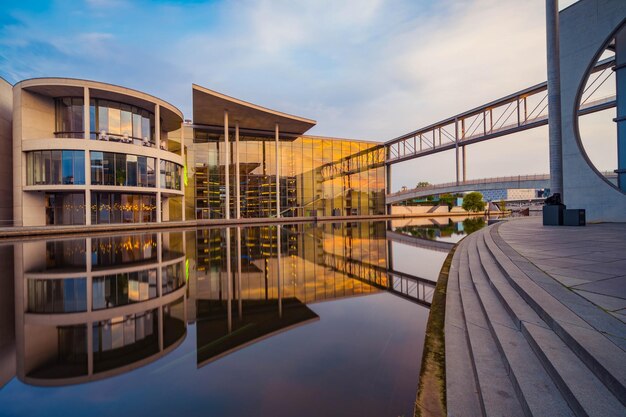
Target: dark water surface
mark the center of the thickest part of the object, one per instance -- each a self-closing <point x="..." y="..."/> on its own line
<point x="301" y="320"/>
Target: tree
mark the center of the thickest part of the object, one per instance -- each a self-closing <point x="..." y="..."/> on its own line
<point x="422" y="184"/>
<point x="471" y="225"/>
<point x="473" y="202"/>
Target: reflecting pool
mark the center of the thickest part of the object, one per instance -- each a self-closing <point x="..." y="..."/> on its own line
<point x="303" y="319"/>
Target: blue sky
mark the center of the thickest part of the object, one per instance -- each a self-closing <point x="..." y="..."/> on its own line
<point x="366" y="69"/>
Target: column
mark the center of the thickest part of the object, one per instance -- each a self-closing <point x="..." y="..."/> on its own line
<point x="87" y="123"/>
<point x="620" y="77"/>
<point x="89" y="294"/>
<point x="157" y="139"/>
<point x="388" y="190"/>
<point x="157" y="173"/>
<point x="237" y="174"/>
<point x="277" y="173"/>
<point x="185" y="168"/>
<point x="554" y="97"/>
<point x="239" y="300"/>
<point x="464" y="164"/>
<point x="456" y="149"/>
<point x="279" y="282"/>
<point x="226" y="167"/>
<point x="229" y="283"/>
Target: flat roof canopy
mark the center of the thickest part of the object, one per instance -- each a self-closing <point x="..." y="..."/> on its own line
<point x="209" y="106"/>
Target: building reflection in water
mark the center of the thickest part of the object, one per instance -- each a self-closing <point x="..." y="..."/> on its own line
<point x="92" y="308"/>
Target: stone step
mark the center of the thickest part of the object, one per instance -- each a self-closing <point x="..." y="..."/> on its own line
<point x="497" y="394"/>
<point x="534" y="387"/>
<point x="595" y="350"/>
<point x="578" y="385"/>
<point x="462" y="399"/>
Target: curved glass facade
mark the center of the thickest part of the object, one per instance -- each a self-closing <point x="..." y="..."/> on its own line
<point x="108" y="168"/>
<point x="121" y="289"/>
<point x="170" y="175"/>
<point x="111" y="120"/>
<point x="57" y="295"/>
<point x="69" y="120"/>
<point x="122" y="208"/>
<point x="55" y="167"/>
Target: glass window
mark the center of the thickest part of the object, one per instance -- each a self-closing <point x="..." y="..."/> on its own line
<point x="151" y="165"/>
<point x="57" y="295"/>
<point x="126" y="123"/>
<point x="57" y="169"/>
<point x="114" y="119"/>
<point x="103" y="118"/>
<point x="65" y="208"/>
<point x="69" y="117"/>
<point x="120" y="169"/>
<point x="131" y="170"/>
<point x="137" y="125"/>
<point x="68" y="167"/>
<point x="97" y="172"/>
<point x="142" y="165"/>
<point x="93" y="122"/>
<point x="79" y="167"/>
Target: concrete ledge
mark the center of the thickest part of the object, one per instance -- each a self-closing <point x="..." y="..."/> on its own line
<point x="19" y="233"/>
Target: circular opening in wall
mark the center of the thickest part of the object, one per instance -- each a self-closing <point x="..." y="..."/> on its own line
<point x="597" y="129"/>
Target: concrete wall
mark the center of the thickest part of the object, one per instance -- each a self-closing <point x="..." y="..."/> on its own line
<point x="418" y="209"/>
<point x="584" y="29"/>
<point x="7" y="316"/>
<point x="6" y="153"/>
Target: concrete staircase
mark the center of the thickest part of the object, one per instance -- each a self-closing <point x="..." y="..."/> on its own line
<point x="518" y="343"/>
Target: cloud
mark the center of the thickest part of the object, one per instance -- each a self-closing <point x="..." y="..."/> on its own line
<point x="369" y="69"/>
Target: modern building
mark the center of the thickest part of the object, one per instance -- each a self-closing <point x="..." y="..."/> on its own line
<point x="91" y="153"/>
<point x="83" y="152"/>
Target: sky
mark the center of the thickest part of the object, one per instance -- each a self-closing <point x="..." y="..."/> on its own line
<point x="363" y="69"/>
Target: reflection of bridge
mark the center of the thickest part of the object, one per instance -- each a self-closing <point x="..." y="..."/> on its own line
<point x="419" y="242"/>
<point x="416" y="289"/>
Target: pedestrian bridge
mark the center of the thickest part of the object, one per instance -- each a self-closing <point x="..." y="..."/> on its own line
<point x="517" y="181"/>
<point x="536" y="181"/>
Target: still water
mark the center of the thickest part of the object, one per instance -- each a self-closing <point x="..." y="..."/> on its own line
<point x="306" y="320"/>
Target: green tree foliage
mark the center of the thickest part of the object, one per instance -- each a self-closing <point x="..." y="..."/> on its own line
<point x="473" y="202"/>
<point x="472" y="224"/>
<point x="502" y="205"/>
<point x="422" y="184"/>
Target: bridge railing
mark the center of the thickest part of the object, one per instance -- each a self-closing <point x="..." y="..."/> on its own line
<point x="481" y="181"/>
<point x="514" y="178"/>
<point x="525" y="109"/>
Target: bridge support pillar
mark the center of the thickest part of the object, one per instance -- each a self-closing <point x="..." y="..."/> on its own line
<point x="388" y="186"/>
<point x="464" y="165"/>
<point x="620" y="77"/>
<point x="554" y="96"/>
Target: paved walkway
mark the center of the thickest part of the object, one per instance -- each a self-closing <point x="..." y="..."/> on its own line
<point x="535" y="323"/>
<point x="590" y="261"/>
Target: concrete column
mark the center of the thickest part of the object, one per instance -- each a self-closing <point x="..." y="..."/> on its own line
<point x="157" y="125"/>
<point x="159" y="238"/>
<point x="229" y="282"/>
<point x="185" y="167"/>
<point x="554" y="97"/>
<point x="456" y="149"/>
<point x="237" y="174"/>
<point x="464" y="164"/>
<point x="158" y="195"/>
<point x="620" y="77"/>
<point x="277" y="172"/>
<point x="388" y="182"/>
<point x="279" y="281"/>
<point x="86" y="122"/>
<point x="226" y="166"/>
<point x="239" y="300"/>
